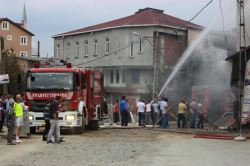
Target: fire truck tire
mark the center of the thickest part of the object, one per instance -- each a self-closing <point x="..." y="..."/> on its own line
<point x="32" y="130"/>
<point x="94" y="125"/>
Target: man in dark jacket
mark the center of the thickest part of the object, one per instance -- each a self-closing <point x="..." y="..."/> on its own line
<point x="11" y="119"/>
<point x="54" y="120"/>
<point x="47" y="121"/>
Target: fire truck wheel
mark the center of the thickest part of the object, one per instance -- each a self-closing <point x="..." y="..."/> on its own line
<point x="32" y="130"/>
<point x="94" y="125"/>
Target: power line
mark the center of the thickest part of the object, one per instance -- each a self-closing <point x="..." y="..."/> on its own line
<point x="223" y="23"/>
<point x="199" y="12"/>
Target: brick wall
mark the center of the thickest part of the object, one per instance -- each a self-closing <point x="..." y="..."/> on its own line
<point x="174" y="46"/>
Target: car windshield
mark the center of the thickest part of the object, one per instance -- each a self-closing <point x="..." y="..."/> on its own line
<point x="63" y="81"/>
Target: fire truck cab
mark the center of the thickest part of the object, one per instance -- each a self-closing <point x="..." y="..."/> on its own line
<point x="81" y="91"/>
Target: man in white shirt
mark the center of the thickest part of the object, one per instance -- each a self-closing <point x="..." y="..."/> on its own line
<point x="193" y="109"/>
<point x="141" y="112"/>
<point x="164" y="106"/>
<point x="201" y="116"/>
<point x="148" y="119"/>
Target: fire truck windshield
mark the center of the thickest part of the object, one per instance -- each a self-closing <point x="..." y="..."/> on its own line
<point x="51" y="81"/>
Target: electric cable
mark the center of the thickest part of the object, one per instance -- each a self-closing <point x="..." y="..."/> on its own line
<point x="199" y="12"/>
<point x="223" y="24"/>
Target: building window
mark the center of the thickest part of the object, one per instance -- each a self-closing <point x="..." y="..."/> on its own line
<point x="86" y="48"/>
<point x="140" y="42"/>
<point x="95" y="48"/>
<point x="23" y="54"/>
<point x="68" y="51"/>
<point x="111" y="76"/>
<point x="123" y="76"/>
<point x="107" y="46"/>
<point x="58" y="51"/>
<point x="5" y="25"/>
<point x="131" y="51"/>
<point x="135" y="76"/>
<point x="117" y="76"/>
<point x="23" y="40"/>
<point x="77" y="50"/>
<point x="9" y="37"/>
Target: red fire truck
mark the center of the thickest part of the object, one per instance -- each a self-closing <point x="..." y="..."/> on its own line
<point x="81" y="91"/>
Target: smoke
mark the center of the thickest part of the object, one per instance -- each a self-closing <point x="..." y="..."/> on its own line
<point x="205" y="67"/>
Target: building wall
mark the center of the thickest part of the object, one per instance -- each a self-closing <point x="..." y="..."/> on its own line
<point x="163" y="43"/>
<point x="192" y="35"/>
<point x="14" y="43"/>
<point x="120" y="47"/>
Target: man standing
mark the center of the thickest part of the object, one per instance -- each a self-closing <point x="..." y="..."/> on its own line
<point x="181" y="114"/>
<point x="116" y="112"/>
<point x="163" y="106"/>
<point x="148" y="119"/>
<point x="192" y="109"/>
<point x="54" y="121"/>
<point x="11" y="119"/>
<point x="201" y="116"/>
<point x="141" y="107"/>
<point x="124" y="111"/>
<point x="154" y="111"/>
<point x="19" y="117"/>
<point x="46" y="116"/>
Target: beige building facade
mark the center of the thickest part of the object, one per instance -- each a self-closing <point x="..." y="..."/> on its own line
<point x="16" y="37"/>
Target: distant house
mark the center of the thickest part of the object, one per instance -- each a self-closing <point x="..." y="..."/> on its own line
<point x="136" y="53"/>
<point x="16" y="36"/>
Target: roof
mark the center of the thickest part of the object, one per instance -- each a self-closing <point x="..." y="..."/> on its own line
<point x="19" y="25"/>
<point x="143" y="17"/>
<point x="235" y="55"/>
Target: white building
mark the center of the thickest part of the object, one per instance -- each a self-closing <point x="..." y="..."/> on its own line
<point x="130" y="50"/>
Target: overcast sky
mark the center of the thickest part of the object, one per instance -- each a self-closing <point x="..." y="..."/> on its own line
<point x="51" y="17"/>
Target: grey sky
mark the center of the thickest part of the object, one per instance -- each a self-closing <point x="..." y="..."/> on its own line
<point x="50" y="17"/>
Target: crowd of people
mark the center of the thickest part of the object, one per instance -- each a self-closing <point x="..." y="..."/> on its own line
<point x="157" y="112"/>
<point x="11" y="116"/>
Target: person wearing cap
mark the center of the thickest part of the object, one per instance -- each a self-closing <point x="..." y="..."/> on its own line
<point x="18" y="107"/>
<point x="11" y="121"/>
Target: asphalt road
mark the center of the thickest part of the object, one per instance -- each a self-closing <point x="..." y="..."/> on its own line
<point x="126" y="147"/>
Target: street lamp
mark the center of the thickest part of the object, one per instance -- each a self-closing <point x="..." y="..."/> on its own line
<point x="154" y="58"/>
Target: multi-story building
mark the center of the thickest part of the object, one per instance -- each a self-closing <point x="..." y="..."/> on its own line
<point x="16" y="36"/>
<point x="136" y="53"/>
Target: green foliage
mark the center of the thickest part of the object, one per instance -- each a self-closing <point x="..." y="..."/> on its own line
<point x="11" y="67"/>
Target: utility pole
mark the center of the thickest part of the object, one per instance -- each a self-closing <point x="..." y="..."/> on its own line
<point x="242" y="41"/>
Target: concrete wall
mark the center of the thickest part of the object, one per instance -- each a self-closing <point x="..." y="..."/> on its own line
<point x="120" y="41"/>
<point x="14" y="43"/>
<point x="163" y="43"/>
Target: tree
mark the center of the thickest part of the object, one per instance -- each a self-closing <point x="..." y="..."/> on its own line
<point x="12" y="68"/>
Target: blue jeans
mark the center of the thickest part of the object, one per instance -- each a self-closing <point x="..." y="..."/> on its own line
<point x="192" y="120"/>
<point x="181" y="120"/>
<point x="164" y="123"/>
<point x="141" y="120"/>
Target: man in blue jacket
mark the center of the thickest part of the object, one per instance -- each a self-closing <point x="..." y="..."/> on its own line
<point x="124" y="111"/>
